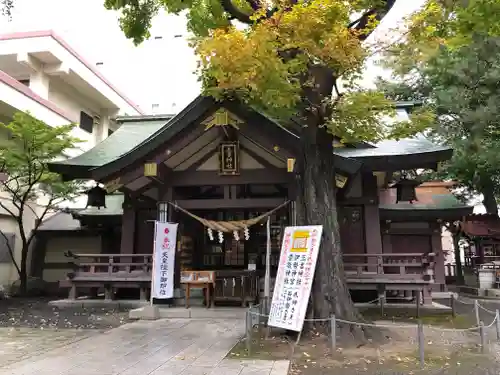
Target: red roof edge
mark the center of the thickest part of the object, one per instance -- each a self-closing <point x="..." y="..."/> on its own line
<point x="25" y="90"/>
<point x="62" y="42"/>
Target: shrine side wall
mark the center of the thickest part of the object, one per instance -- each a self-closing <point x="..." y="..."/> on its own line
<point x="416" y="237"/>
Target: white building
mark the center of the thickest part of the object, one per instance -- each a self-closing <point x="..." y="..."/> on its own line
<point x="41" y="74"/>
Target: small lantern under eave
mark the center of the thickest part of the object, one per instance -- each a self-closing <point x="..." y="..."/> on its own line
<point x="406" y="190"/>
<point x="96" y="197"/>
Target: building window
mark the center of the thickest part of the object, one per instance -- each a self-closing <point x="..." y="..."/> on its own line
<point x="25" y="82"/>
<point x="86" y="122"/>
<point x="110" y="132"/>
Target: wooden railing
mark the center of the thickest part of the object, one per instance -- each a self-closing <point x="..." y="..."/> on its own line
<point x="108" y="271"/>
<point x="410" y="266"/>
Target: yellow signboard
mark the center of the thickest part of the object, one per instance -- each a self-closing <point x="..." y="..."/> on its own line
<point x="299" y="241"/>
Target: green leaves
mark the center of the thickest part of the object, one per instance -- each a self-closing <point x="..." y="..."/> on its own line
<point x="31" y="145"/>
<point x="460" y="85"/>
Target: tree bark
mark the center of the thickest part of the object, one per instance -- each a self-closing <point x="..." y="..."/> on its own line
<point x="489" y="199"/>
<point x="317" y="205"/>
<point x="23" y="274"/>
<point x="458" y="260"/>
<point x="455" y="233"/>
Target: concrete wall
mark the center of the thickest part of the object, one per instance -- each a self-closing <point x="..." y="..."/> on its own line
<point x="8" y="224"/>
<point x="56" y="247"/>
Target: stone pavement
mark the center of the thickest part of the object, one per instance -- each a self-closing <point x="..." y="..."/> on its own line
<point x="163" y="347"/>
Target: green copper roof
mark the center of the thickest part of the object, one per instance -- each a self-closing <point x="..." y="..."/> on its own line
<point x="140" y="135"/>
<point x="443" y="206"/>
<point x="128" y="136"/>
<point x="439" y="202"/>
<point x="417" y="145"/>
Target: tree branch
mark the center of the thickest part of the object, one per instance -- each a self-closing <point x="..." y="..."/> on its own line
<point x="376" y="14"/>
<point x="235" y="13"/>
<point x="7" y="209"/>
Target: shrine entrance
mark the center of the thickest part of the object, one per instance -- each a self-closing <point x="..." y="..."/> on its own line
<point x="238" y="259"/>
<point x="200" y="251"/>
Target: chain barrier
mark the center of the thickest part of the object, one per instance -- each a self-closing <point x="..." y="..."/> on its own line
<point x="480" y="328"/>
<point x="474" y="302"/>
<point x="485" y="309"/>
<point x="398" y="326"/>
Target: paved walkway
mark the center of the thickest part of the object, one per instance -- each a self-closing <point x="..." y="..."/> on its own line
<point x="164" y="347"/>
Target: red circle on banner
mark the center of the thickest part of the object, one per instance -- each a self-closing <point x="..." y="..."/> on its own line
<point x="166" y="231"/>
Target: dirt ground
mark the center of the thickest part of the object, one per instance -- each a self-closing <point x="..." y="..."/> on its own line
<point x="447" y="352"/>
<point x="36" y="313"/>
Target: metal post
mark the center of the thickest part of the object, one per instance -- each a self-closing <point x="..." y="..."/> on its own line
<point x="420" y="333"/>
<point x="259" y="333"/>
<point x="248" y="340"/>
<point x="497" y="324"/>
<point x="453" y="306"/>
<point x="382" y="304"/>
<point x="418" y="302"/>
<point x="267" y="276"/>
<point x="482" y="335"/>
<point x="476" y="311"/>
<point x="333" y="333"/>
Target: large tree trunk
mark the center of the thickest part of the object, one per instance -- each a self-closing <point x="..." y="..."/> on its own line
<point x="455" y="233"/>
<point x="317" y="205"/>
<point x="23" y="274"/>
<point x="489" y="199"/>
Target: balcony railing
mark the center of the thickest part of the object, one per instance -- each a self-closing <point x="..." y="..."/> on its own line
<point x="409" y="266"/>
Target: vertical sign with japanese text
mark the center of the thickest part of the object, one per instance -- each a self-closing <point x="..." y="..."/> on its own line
<point x="299" y="253"/>
<point x="164" y="260"/>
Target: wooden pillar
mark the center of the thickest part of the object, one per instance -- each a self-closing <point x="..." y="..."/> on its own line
<point x="128" y="229"/>
<point x="373" y="238"/>
<point x="437" y="248"/>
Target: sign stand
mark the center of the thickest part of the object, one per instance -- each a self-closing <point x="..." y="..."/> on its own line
<point x="267" y="277"/>
<point x="292" y="288"/>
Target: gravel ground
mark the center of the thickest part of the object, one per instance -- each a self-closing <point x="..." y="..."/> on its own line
<point x="36" y="313"/>
<point x="448" y="350"/>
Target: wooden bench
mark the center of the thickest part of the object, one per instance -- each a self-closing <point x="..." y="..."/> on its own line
<point x="109" y="272"/>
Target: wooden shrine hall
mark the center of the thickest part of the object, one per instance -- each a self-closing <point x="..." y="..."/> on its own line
<point x="224" y="162"/>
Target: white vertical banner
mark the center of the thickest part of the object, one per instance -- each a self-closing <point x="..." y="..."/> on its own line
<point x="292" y="288"/>
<point x="164" y="260"/>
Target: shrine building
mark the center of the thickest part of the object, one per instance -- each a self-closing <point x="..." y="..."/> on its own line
<point x="219" y="169"/>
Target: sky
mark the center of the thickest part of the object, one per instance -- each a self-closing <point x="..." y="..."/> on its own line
<point x="160" y="71"/>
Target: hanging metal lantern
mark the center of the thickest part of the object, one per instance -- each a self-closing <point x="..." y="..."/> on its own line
<point x="405" y="190"/>
<point x="96" y="197"/>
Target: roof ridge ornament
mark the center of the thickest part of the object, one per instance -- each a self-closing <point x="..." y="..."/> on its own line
<point x="222" y="118"/>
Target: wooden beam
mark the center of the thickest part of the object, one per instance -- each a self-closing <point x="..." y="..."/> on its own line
<point x="253" y="176"/>
<point x="261" y="160"/>
<point x="173" y="146"/>
<point x="207" y="204"/>
<point x="161" y="177"/>
<point x="212" y="151"/>
<point x="134" y="194"/>
<point x="265" y="143"/>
